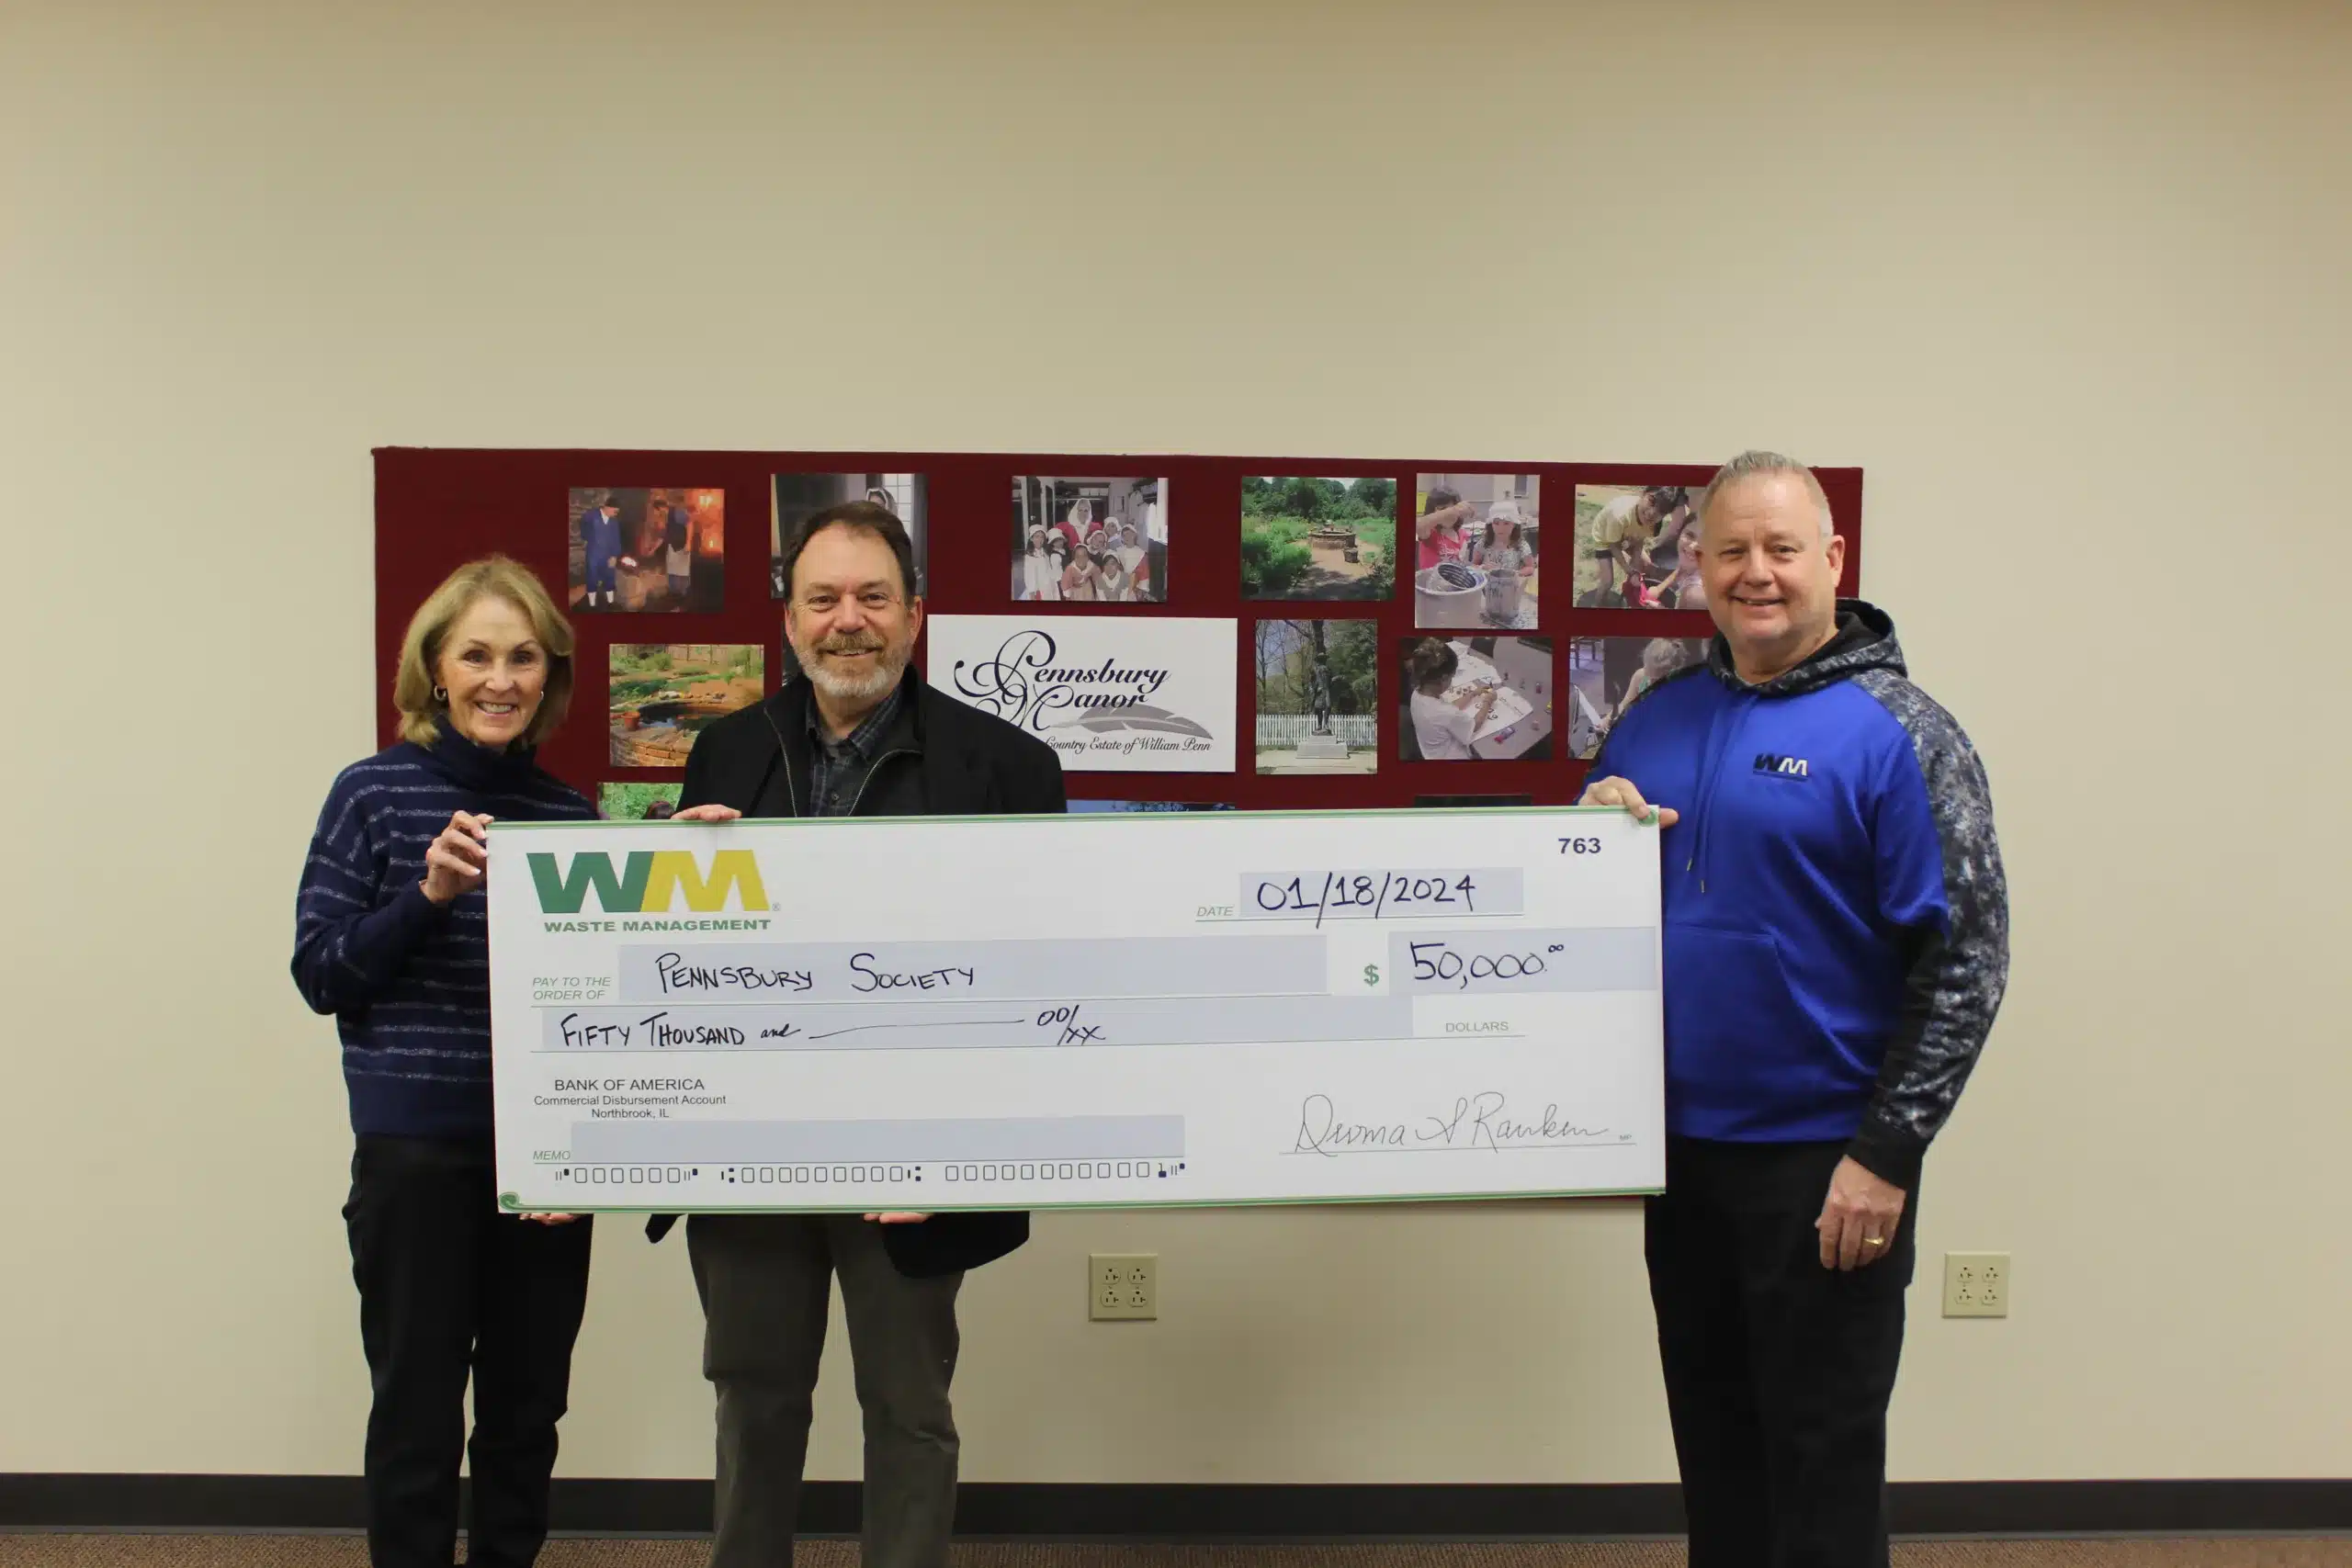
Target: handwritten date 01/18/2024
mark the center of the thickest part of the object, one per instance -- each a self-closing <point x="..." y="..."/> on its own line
<point x="1343" y="891"/>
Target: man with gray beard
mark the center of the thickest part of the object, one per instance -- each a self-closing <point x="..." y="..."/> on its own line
<point x="858" y="735"/>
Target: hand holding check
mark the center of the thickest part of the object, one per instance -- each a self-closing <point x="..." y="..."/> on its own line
<point x="455" y="860"/>
<point x="1621" y="792"/>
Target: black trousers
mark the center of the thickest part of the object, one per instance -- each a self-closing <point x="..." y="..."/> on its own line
<point x="450" y="1287"/>
<point x="1778" y="1371"/>
<point x="766" y="1286"/>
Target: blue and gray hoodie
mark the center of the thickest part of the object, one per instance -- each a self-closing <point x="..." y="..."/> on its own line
<point x="1837" y="921"/>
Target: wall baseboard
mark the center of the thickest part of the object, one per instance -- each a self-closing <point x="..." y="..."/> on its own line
<point x="200" y="1504"/>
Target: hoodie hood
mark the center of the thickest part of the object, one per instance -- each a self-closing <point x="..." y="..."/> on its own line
<point x="1865" y="640"/>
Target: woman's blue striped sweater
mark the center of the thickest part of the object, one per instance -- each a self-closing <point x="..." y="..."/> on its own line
<point x="408" y="980"/>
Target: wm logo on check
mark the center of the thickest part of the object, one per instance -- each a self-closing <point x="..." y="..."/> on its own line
<point x="648" y="882"/>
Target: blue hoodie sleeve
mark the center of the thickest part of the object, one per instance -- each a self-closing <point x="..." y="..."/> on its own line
<point x="352" y="933"/>
<point x="1940" y="880"/>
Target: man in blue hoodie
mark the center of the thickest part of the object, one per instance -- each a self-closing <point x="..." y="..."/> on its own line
<point x="1836" y="945"/>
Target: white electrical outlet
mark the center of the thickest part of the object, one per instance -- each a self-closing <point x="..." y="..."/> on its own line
<point x="1123" y="1284"/>
<point x="1976" y="1284"/>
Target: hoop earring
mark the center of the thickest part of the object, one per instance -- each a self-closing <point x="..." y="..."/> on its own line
<point x="441" y="695"/>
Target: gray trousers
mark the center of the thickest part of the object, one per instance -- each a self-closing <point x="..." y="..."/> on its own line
<point x="766" y="1283"/>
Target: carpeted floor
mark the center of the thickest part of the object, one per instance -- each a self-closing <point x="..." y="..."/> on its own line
<point x="348" y="1551"/>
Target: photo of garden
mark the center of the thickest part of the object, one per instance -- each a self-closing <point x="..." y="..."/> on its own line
<point x="1318" y="538"/>
<point x="662" y="693"/>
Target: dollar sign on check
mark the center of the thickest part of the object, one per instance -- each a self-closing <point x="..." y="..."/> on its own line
<point x="1371" y="974"/>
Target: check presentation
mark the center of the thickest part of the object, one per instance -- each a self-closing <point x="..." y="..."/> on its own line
<point x="1093" y="1010"/>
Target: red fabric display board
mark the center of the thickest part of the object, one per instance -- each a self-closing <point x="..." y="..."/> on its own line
<point x="438" y="508"/>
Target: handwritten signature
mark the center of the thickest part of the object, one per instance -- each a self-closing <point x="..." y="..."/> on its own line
<point x="1480" y="1121"/>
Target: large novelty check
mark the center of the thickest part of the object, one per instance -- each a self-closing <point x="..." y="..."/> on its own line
<point x="1089" y="1011"/>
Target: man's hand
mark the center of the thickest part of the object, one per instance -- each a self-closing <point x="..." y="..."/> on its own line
<point x="706" y="814"/>
<point x="550" y="1219"/>
<point x="1621" y="792"/>
<point x="898" y="1217"/>
<point x="1859" y="1218"/>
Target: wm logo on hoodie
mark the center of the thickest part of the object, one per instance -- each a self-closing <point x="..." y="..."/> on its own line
<point x="1781" y="767"/>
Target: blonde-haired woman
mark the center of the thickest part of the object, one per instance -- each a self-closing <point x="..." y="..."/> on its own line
<point x="391" y="937"/>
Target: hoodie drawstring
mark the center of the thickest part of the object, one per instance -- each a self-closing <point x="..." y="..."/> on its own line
<point x="1722" y="736"/>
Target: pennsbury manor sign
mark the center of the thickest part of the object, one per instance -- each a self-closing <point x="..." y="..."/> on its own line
<point x="1126" y="695"/>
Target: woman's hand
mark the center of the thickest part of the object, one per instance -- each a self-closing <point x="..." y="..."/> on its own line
<point x="456" y="861"/>
<point x="551" y="1219"/>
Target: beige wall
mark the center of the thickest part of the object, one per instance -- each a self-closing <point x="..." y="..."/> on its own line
<point x="2068" y="280"/>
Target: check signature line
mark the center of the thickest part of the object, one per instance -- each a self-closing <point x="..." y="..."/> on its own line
<point x="1464" y="1149"/>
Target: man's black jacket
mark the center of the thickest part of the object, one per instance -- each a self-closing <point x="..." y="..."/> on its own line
<point x="966" y="763"/>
